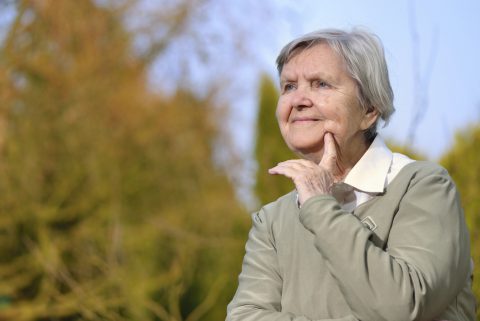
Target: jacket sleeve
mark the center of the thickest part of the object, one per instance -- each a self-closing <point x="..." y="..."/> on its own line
<point x="258" y="297"/>
<point x="424" y="266"/>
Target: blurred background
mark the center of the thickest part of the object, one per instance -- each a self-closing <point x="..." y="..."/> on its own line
<point x="135" y="136"/>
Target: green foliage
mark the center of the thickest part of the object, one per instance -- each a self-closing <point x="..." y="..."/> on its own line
<point x="270" y="147"/>
<point x="462" y="162"/>
<point x="405" y="150"/>
<point x="111" y="208"/>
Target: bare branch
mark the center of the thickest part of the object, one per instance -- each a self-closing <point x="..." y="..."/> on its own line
<point x="421" y="80"/>
<point x="209" y="301"/>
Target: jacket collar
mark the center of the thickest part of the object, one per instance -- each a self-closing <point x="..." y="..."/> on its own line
<point x="370" y="173"/>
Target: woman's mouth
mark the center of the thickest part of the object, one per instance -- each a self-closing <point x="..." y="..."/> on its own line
<point x="304" y="119"/>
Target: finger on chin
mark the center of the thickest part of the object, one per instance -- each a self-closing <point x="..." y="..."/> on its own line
<point x="329" y="152"/>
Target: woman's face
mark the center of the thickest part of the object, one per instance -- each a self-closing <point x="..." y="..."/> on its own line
<point x="318" y="96"/>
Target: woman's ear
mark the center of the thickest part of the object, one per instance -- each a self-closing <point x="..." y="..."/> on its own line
<point x="370" y="117"/>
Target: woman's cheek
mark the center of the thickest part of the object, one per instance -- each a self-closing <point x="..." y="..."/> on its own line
<point x="331" y="127"/>
<point x="282" y="111"/>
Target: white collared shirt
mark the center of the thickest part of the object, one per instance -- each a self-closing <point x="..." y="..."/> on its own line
<point x="370" y="175"/>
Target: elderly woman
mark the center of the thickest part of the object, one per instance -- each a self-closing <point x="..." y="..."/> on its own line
<point x="368" y="234"/>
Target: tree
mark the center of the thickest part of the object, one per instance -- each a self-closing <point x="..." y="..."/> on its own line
<point x="405" y="150"/>
<point x="270" y="147"/>
<point x="111" y="207"/>
<point x="462" y="163"/>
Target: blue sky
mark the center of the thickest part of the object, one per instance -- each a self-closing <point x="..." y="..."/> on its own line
<point x="447" y="49"/>
<point x="448" y="46"/>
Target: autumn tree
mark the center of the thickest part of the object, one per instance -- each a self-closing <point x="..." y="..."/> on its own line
<point x="462" y="161"/>
<point x="111" y="208"/>
<point x="270" y="147"/>
<point x="405" y="150"/>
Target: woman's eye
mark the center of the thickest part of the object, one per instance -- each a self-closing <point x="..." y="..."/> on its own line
<point x="320" y="84"/>
<point x="288" y="87"/>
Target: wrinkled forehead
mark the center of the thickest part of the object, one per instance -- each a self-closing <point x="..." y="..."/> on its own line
<point x="316" y="58"/>
<point x="303" y="46"/>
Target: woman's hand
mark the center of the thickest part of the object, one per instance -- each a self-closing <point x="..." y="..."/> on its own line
<point x="312" y="179"/>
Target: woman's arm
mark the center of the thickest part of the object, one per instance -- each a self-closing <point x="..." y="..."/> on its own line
<point x="426" y="263"/>
<point x="259" y="294"/>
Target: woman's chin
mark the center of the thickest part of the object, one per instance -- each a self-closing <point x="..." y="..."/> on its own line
<point x="312" y="153"/>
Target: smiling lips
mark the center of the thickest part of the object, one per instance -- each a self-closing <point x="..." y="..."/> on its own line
<point x="304" y="119"/>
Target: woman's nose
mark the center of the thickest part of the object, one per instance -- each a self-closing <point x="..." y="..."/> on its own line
<point x="301" y="98"/>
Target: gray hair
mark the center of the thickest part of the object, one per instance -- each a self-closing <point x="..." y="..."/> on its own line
<point x="364" y="57"/>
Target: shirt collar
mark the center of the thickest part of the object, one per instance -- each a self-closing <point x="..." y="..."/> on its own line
<point x="370" y="173"/>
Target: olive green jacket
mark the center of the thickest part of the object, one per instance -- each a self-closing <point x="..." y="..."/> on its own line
<point x="403" y="255"/>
